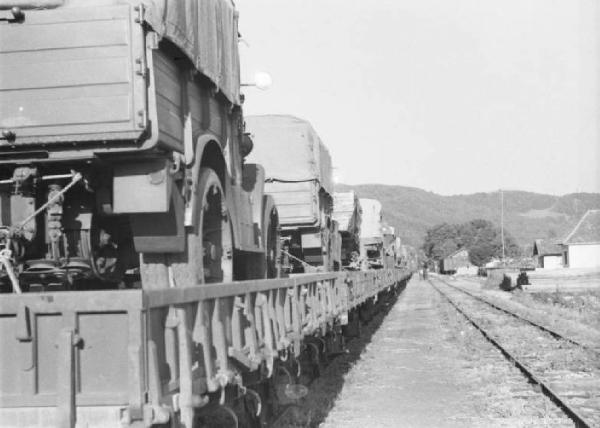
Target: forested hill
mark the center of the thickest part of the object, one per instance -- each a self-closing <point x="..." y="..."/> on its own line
<point x="528" y="216"/>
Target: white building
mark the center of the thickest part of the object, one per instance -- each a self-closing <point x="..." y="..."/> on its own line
<point x="582" y="245"/>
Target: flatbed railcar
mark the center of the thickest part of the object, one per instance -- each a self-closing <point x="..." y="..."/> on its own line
<point x="215" y="344"/>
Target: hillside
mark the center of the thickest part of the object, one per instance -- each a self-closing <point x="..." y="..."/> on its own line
<point x="528" y="215"/>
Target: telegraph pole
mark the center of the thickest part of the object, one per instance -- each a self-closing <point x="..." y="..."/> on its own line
<point x="502" y="222"/>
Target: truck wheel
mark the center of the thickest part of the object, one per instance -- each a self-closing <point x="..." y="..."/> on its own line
<point x="209" y="245"/>
<point x="271" y="241"/>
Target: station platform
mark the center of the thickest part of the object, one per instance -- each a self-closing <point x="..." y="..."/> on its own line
<point x="409" y="375"/>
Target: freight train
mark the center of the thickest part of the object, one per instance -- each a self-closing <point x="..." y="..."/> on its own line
<point x="136" y="237"/>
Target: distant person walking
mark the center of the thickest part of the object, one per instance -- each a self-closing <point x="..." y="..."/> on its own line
<point x="425" y="271"/>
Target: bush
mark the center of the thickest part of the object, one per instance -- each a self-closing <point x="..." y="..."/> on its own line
<point x="506" y="283"/>
<point x="523" y="279"/>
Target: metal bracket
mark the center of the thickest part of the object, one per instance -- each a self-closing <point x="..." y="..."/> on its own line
<point x="65" y="380"/>
<point x="139" y="17"/>
<point x="141" y="67"/>
<point x="14" y="15"/>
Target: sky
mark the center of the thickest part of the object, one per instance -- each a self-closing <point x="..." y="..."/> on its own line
<point x="451" y="96"/>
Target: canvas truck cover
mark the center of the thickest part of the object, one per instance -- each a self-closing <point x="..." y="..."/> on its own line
<point x="371" y="230"/>
<point x="388" y="230"/>
<point x="207" y="32"/>
<point x="389" y="235"/>
<point x="290" y="150"/>
<point x="73" y="70"/>
<point x="346" y="211"/>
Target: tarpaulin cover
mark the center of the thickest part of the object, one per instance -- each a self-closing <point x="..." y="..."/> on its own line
<point x="346" y="211"/>
<point x="371" y="226"/>
<point x="207" y="32"/>
<point x="290" y="150"/>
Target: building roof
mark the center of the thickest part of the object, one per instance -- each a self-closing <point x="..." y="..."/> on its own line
<point x="587" y="230"/>
<point x="543" y="247"/>
<point x="458" y="253"/>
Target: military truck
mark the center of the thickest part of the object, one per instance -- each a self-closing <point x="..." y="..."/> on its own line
<point x="122" y="147"/>
<point x="371" y="234"/>
<point x="347" y="213"/>
<point x="389" y="246"/>
<point x="299" y="178"/>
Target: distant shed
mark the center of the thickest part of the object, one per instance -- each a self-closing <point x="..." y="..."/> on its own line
<point x="457" y="262"/>
<point x="582" y="246"/>
<point x="548" y="254"/>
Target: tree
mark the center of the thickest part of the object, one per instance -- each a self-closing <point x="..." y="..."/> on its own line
<point x="485" y="242"/>
<point x="480" y="237"/>
<point x="481" y="253"/>
<point x="440" y="241"/>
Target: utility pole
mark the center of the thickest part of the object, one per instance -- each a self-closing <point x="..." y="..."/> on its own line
<point x="502" y="222"/>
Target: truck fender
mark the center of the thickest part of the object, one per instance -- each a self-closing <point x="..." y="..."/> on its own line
<point x="253" y="182"/>
<point x="193" y="153"/>
<point x="193" y="172"/>
<point x="268" y="205"/>
<point x="208" y="153"/>
<point x="273" y="254"/>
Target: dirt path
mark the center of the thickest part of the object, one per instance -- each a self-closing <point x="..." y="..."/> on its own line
<point x="425" y="367"/>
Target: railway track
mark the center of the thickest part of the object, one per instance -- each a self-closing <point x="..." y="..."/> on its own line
<point x="549" y="330"/>
<point x="564" y="370"/>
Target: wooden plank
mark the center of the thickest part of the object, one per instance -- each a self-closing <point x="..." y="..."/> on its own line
<point x="59" y="34"/>
<point x="70" y="75"/>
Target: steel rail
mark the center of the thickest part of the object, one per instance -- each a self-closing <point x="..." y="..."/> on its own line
<point x="553" y="333"/>
<point x="580" y="421"/>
